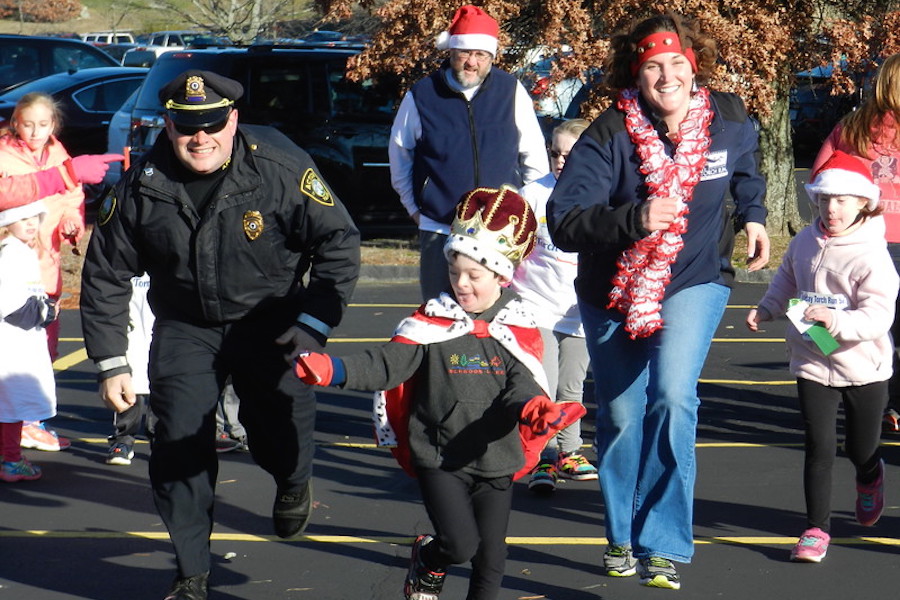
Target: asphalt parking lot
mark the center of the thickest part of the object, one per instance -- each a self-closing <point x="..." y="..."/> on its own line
<point x="89" y="531"/>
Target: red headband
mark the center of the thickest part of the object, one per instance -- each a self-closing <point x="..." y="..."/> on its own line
<point x="657" y="43"/>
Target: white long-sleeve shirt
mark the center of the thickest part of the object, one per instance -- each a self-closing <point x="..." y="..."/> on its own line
<point x="407" y="130"/>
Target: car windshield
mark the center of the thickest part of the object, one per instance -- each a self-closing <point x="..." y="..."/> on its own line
<point x="191" y="39"/>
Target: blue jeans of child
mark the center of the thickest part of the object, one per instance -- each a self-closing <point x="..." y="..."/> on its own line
<point x="646" y="393"/>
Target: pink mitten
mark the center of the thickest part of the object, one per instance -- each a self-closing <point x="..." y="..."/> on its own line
<point x="90" y="168"/>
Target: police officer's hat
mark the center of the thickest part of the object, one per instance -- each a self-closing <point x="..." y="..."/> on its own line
<point x="199" y="98"/>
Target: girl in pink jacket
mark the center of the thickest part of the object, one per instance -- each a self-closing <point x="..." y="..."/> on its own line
<point x="840" y="275"/>
<point x="28" y="145"/>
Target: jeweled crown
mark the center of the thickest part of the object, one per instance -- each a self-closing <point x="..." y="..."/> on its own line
<point x="499" y="219"/>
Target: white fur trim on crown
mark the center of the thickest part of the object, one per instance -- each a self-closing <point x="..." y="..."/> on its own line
<point x="841" y="182"/>
<point x="474" y="41"/>
<point x="479" y="252"/>
<point x="12" y="215"/>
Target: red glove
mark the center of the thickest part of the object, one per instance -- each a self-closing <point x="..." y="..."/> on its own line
<point x="314" y="368"/>
<point x="541" y="414"/>
<point x="90" y="168"/>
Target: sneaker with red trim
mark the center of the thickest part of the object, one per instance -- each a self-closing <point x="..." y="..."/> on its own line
<point x="576" y="467"/>
<point x="21" y="470"/>
<point x="422" y="583"/>
<point x="870" y="499"/>
<point x="36" y="436"/>
<point x="811" y="547"/>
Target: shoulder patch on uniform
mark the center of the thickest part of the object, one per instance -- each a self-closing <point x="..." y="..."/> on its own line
<point x="107" y="208"/>
<point x="312" y="186"/>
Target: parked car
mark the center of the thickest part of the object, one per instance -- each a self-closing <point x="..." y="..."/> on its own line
<point x="304" y="93"/>
<point x="108" y="37"/>
<point x="25" y="57"/>
<point x="88" y="98"/>
<point x="118" y="137"/>
<point x="813" y="110"/>
<point x="118" y="51"/>
<point x="161" y="42"/>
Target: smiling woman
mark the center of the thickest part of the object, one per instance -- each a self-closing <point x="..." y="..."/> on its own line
<point x="667" y="136"/>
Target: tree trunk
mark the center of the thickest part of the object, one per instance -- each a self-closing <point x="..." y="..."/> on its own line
<point x="777" y="164"/>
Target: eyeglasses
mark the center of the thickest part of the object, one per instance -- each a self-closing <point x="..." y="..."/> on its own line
<point x="479" y="55"/>
<point x="554" y="154"/>
<point x="193" y="130"/>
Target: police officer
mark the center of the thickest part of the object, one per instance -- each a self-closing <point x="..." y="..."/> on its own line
<point x="226" y="220"/>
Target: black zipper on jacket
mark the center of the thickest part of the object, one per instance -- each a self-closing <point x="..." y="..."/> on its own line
<point x="474" y="140"/>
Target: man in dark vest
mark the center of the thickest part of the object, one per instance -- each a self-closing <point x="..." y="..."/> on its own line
<point x="467" y="125"/>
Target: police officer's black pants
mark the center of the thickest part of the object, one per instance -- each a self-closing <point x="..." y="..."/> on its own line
<point x="188" y="368"/>
<point x="470" y="516"/>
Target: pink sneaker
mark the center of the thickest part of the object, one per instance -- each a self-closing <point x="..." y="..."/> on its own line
<point x="811" y="547"/>
<point x="870" y="499"/>
<point x="36" y="436"/>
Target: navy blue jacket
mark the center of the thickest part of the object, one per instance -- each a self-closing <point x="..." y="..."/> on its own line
<point x="464" y="144"/>
<point x="595" y="208"/>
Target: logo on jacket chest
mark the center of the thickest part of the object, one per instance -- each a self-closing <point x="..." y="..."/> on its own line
<point x="716" y="166"/>
<point x="473" y="364"/>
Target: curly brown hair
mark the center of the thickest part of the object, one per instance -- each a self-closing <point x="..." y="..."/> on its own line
<point x="623" y="48"/>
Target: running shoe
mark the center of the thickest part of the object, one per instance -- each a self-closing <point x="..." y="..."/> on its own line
<point x="619" y="561"/>
<point x="226" y="443"/>
<point x="575" y="466"/>
<point x="120" y="454"/>
<point x="870" y="499"/>
<point x="421" y="582"/>
<point x="659" y="572"/>
<point x="189" y="588"/>
<point x="543" y="478"/>
<point x="21" y="470"/>
<point x="811" y="547"/>
<point x="36" y="436"/>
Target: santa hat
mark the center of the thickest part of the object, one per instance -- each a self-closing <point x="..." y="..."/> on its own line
<point x="844" y="175"/>
<point x="14" y="215"/>
<point x="470" y="29"/>
<point x="496" y="228"/>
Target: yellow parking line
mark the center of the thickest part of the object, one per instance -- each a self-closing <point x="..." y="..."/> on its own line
<point x="748" y="382"/>
<point x="408" y="540"/>
<point x="70" y="360"/>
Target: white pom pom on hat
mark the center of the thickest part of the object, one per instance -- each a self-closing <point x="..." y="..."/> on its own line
<point x="470" y="29"/>
<point x="844" y="175"/>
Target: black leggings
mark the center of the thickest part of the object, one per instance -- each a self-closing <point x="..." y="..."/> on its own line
<point x="863" y="407"/>
<point x="470" y="516"/>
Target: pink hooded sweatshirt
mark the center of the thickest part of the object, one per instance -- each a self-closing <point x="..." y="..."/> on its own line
<point x="853" y="274"/>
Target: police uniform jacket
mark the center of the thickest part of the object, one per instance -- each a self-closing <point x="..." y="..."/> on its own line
<point x="271" y="218"/>
<point x="595" y="208"/>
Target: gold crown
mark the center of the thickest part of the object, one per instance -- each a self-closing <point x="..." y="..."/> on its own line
<point x="498" y="218"/>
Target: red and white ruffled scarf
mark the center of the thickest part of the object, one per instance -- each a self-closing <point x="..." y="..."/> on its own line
<point x="645" y="268"/>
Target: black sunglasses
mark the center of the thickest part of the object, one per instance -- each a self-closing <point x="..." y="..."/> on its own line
<point x="194" y="130"/>
<point x="555" y="154"/>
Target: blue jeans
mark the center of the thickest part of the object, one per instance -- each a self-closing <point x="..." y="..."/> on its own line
<point x="646" y="393"/>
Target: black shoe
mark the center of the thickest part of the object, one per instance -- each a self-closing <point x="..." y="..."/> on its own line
<point x="421" y="582"/>
<point x="189" y="588"/>
<point x="292" y="511"/>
